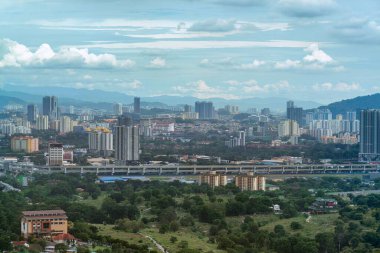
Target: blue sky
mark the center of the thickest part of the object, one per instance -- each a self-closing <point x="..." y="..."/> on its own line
<point x="319" y="50"/>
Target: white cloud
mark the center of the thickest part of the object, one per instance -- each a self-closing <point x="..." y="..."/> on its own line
<point x="19" y="55"/>
<point x="202" y="90"/>
<point x="198" y="44"/>
<point x="157" y="62"/>
<point x="252" y="86"/>
<point x="287" y="64"/>
<point x="213" y="25"/>
<point x="317" y="55"/>
<point x="87" y="77"/>
<point x="307" y="8"/>
<point x="316" y="59"/>
<point x="341" y="87"/>
<point x="253" y="65"/>
<point x="135" y="84"/>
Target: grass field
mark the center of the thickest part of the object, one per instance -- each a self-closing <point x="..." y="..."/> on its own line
<point x="195" y="240"/>
<point x="317" y="224"/>
<point x="94" y="202"/>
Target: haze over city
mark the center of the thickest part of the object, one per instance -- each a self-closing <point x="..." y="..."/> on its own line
<point x="189" y="126"/>
<point x="206" y="48"/>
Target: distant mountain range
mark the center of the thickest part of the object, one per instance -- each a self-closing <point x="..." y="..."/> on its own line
<point x="103" y="99"/>
<point x="6" y="100"/>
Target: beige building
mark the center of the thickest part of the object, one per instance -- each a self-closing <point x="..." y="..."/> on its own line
<point x="26" y="144"/>
<point x="43" y="223"/>
<point x="250" y="182"/>
<point x="55" y="154"/>
<point x="213" y="179"/>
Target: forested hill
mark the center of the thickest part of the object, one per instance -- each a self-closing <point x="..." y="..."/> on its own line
<point x="5" y="100"/>
<point x="364" y="102"/>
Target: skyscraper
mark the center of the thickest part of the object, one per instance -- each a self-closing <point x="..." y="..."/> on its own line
<point x="136" y="105"/>
<point x="290" y="104"/>
<point x="118" y="109"/>
<point x="369" y="135"/>
<point x="42" y="122"/>
<point x="204" y="109"/>
<point x="126" y="139"/>
<point x="294" y="113"/>
<point x="187" y="108"/>
<point x="50" y="107"/>
<point x="32" y="113"/>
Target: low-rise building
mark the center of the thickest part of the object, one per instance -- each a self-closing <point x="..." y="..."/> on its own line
<point x="43" y="223"/>
<point x="213" y="179"/>
<point x="26" y="144"/>
<point x="250" y="182"/>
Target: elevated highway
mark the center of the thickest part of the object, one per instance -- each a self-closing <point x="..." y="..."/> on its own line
<point x="199" y="169"/>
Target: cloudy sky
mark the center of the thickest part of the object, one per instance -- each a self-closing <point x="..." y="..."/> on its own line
<point x="319" y="50"/>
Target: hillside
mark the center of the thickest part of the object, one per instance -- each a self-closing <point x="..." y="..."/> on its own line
<point x="5" y="100"/>
<point x="354" y="104"/>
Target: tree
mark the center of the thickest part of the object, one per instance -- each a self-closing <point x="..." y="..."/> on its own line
<point x="325" y="242"/>
<point x="61" y="248"/>
<point x="279" y="230"/>
<point x="173" y="239"/>
<point x="295" y="225"/>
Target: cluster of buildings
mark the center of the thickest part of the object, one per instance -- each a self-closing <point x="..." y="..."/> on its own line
<point x="247" y="182"/>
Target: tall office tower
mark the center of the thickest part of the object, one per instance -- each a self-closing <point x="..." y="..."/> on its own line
<point x="126" y="139"/>
<point x="42" y="122"/>
<point x="288" y="128"/>
<point x="136" y="105"/>
<point x="369" y="135"/>
<point x="55" y="154"/>
<point x="32" y="113"/>
<point x="204" y="109"/>
<point x="50" y="107"/>
<point x="188" y="108"/>
<point x="118" y="109"/>
<point x="290" y="104"/>
<point x="295" y="113"/>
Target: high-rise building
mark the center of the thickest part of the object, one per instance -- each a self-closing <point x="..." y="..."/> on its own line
<point x="351" y="116"/>
<point x="188" y="108"/>
<point x="50" y="107"/>
<point x="71" y="109"/>
<point x="101" y="141"/>
<point x="232" y="109"/>
<point x="118" y="109"/>
<point x="32" y="113"/>
<point x="65" y="125"/>
<point x="213" y="179"/>
<point x="288" y="128"/>
<point x="204" y="109"/>
<point x="26" y="144"/>
<point x="242" y="138"/>
<point x="55" y="154"/>
<point x="136" y="105"/>
<point x="369" y="135"/>
<point x="294" y="113"/>
<point x="126" y="139"/>
<point x="42" y="122"/>
<point x="250" y="182"/>
<point x="290" y="104"/>
<point x="265" y="111"/>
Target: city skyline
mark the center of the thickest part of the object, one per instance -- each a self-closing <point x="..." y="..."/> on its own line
<point x="206" y="48"/>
